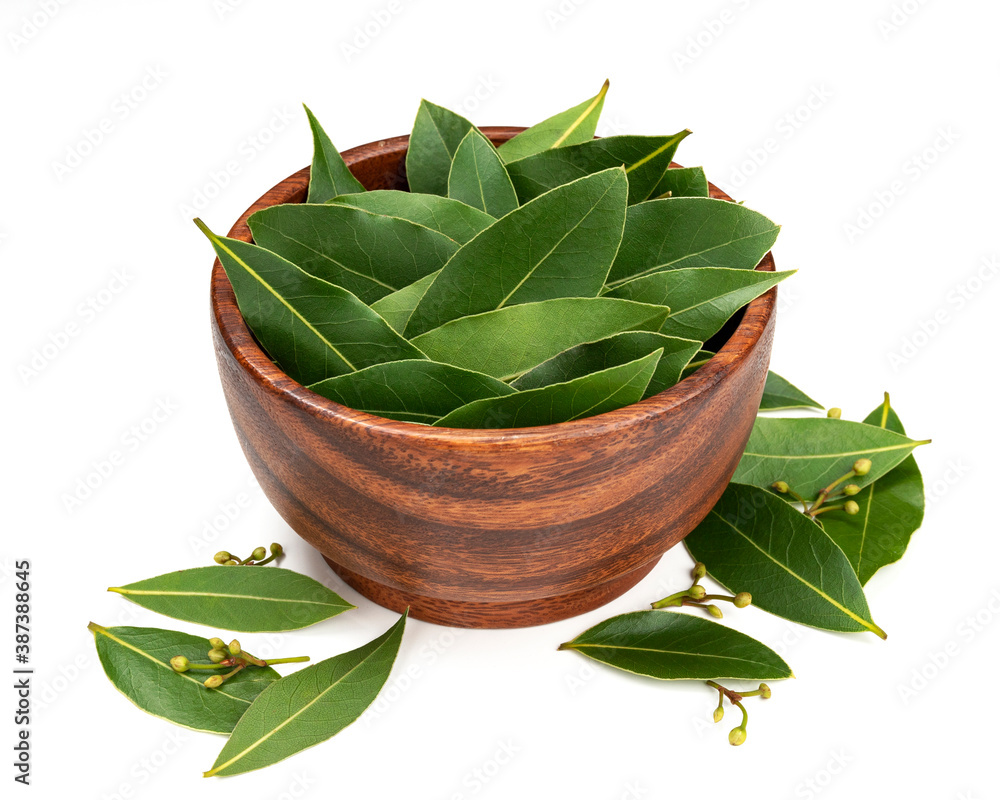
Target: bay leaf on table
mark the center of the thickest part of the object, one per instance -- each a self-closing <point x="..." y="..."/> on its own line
<point x="244" y="598"/>
<point x="478" y="177"/>
<point x="701" y="299"/>
<point x="586" y="396"/>
<point x="668" y="645"/>
<point x="311" y="328"/>
<point x="780" y="394"/>
<point x="137" y="662"/>
<point x="456" y="220"/>
<point x="811" y="453"/>
<point x="436" y="134"/>
<point x="684" y="232"/>
<point x="309" y="706"/>
<point x="412" y="391"/>
<point x="559" y="245"/>
<point x="753" y="541"/>
<point x="612" y="351"/>
<point x="682" y="182"/>
<point x="511" y="340"/>
<point x="329" y="176"/>
<point x="891" y="509"/>
<point x="573" y="126"/>
<point x="369" y="254"/>
<point x="645" y="159"/>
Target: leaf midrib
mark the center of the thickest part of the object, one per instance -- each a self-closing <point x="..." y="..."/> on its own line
<point x="672" y="653"/>
<point x="166" y="593"/>
<point x="796" y="457"/>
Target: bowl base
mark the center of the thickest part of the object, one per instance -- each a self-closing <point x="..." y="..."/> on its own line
<point x="522" y="614"/>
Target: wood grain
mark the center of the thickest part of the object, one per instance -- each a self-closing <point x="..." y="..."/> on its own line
<point x="488" y="528"/>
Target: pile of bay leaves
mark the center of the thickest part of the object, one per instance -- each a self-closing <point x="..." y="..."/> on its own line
<point x="554" y="277"/>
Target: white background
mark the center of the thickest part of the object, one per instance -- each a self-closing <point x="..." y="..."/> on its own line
<point x="902" y="126"/>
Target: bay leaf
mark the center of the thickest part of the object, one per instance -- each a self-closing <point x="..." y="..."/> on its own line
<point x="586" y="396"/>
<point x="311" y="328"/>
<point x="573" y="126"/>
<point x="701" y="299"/>
<point x="779" y="395"/>
<point x="478" y="178"/>
<point x="436" y="134"/>
<point x="397" y="308"/>
<point x="671" y="646"/>
<point x="137" y="662"/>
<point x="809" y="454"/>
<point x="684" y="232"/>
<point x="511" y="340"/>
<point x="309" y="706"/>
<point x="237" y="598"/>
<point x="682" y="182"/>
<point x="753" y="541"/>
<point x="559" y="245"/>
<point x="892" y="508"/>
<point x="329" y="176"/>
<point x="613" y="351"/>
<point x="456" y="220"/>
<point x="413" y="391"/>
<point x="369" y="254"/>
<point x="645" y="159"/>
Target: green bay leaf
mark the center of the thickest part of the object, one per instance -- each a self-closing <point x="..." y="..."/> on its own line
<point x="671" y="646"/>
<point x="478" y="178"/>
<point x="753" y="541"/>
<point x="436" y="134"/>
<point x="245" y="598"/>
<point x="511" y="340"/>
<point x="311" y="328"/>
<point x="329" y="176"/>
<point x="891" y="509"/>
<point x="456" y="220"/>
<point x="137" y="662"/>
<point x="701" y="299"/>
<point x="780" y="394"/>
<point x="369" y="254"/>
<point x="412" y="391"/>
<point x="809" y="454"/>
<point x="573" y="126"/>
<point x="586" y="396"/>
<point x="684" y="232"/>
<point x="397" y="308"/>
<point x="309" y="706"/>
<point x="682" y="182"/>
<point x="613" y="351"/>
<point x="559" y="245"/>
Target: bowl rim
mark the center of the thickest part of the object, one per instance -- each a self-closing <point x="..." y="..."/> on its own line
<point x="235" y="335"/>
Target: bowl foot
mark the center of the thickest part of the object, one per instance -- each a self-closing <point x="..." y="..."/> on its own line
<point x="522" y="614"/>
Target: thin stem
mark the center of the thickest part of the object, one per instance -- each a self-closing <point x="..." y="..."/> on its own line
<point x="223" y="665"/>
<point x="267" y="560"/>
<point x="827" y="508"/>
<point x="672" y="600"/>
<point x="746" y="716"/>
<point x="825" y="494"/>
<point x="293" y="660"/>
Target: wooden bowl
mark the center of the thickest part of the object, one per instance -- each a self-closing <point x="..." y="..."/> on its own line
<point x="488" y="528"/>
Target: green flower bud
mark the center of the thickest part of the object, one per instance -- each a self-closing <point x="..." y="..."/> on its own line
<point x="217" y="643"/>
<point x="780" y="486"/>
<point x="232" y="563"/>
<point x="715" y="611"/>
<point x="742" y="600"/>
<point x="222" y="557"/>
<point x="179" y="664"/>
<point x="276" y="549"/>
<point x="737" y="736"/>
<point x="699" y="571"/>
<point x="851" y="507"/>
<point x="765" y="691"/>
<point x="258" y="554"/>
<point x="717" y="714"/>
<point x="215" y="682"/>
<point x="234" y="647"/>
<point x="697" y="592"/>
<point x="851" y="489"/>
<point x="833" y="413"/>
<point x="217" y="656"/>
<point x="862" y="466"/>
